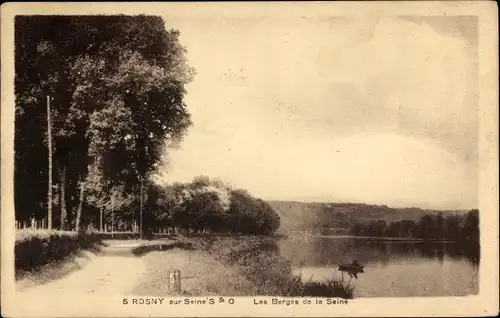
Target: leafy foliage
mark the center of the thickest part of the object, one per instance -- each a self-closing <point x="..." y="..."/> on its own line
<point x="210" y="204"/>
<point x="116" y="87"/>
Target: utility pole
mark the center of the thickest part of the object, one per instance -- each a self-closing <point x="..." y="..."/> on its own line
<point x="49" y="139"/>
<point x="112" y="215"/>
<point x="100" y="221"/>
<point x="133" y="221"/>
<point x="140" y="211"/>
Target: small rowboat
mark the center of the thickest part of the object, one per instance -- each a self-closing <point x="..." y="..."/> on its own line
<point x="352" y="268"/>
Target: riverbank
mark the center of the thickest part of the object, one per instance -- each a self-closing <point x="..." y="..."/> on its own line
<point x="230" y="266"/>
<point x="236" y="266"/>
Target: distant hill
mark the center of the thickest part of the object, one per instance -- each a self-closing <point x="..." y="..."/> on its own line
<point x="313" y="215"/>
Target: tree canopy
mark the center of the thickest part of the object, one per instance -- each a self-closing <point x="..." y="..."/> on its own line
<point x="116" y="87"/>
<point x="205" y="204"/>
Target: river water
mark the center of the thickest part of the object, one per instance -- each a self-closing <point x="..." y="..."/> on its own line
<point x="391" y="268"/>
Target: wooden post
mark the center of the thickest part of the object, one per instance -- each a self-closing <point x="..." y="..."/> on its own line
<point x="49" y="191"/>
<point x="174" y="281"/>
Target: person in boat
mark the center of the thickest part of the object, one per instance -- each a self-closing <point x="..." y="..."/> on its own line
<point x="353" y="272"/>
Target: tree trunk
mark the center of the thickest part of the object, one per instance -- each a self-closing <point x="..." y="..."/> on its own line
<point x="49" y="190"/>
<point x="64" y="213"/>
<point x="80" y="207"/>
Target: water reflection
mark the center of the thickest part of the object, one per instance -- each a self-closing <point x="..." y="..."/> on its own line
<point x="391" y="268"/>
<point x="321" y="251"/>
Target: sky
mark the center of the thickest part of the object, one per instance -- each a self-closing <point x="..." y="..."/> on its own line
<point x="320" y="108"/>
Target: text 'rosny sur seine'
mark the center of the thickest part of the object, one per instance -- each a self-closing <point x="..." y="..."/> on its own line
<point x="231" y="301"/>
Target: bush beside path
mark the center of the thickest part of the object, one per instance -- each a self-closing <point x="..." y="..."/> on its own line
<point x="106" y="274"/>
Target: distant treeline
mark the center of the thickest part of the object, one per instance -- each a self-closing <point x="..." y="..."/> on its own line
<point x="436" y="227"/>
<point x="336" y="218"/>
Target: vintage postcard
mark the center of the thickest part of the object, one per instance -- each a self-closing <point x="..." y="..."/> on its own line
<point x="260" y="159"/>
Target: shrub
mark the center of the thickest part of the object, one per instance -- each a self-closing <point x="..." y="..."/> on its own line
<point x="34" y="248"/>
<point x="327" y="288"/>
<point x="117" y="235"/>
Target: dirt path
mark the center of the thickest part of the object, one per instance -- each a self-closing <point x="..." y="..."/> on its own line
<point x="104" y="274"/>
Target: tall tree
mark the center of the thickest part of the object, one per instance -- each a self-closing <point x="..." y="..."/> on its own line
<point x="118" y="87"/>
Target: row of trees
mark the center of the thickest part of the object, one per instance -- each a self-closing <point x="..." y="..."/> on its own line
<point x="103" y="96"/>
<point x="199" y="206"/>
<point x="115" y="86"/>
<point x="450" y="227"/>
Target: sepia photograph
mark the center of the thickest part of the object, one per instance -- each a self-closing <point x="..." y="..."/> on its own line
<point x="250" y="160"/>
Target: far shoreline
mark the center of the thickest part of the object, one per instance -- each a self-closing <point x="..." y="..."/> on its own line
<point x="370" y="238"/>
